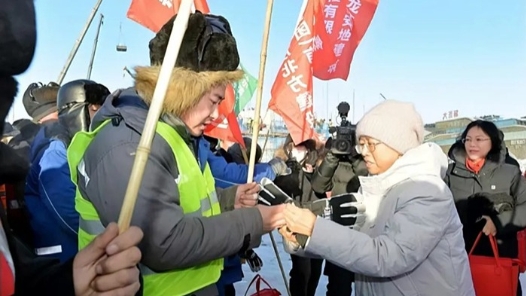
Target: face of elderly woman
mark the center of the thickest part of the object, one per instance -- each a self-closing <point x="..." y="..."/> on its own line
<point x="378" y="157"/>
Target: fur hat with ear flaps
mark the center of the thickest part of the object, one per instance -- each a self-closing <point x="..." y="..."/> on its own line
<point x="208" y="57"/>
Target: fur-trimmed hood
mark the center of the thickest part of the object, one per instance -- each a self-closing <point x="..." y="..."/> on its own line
<point x="186" y="86"/>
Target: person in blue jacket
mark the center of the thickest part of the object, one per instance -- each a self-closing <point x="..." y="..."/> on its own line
<point x="227" y="174"/>
<point x="49" y="192"/>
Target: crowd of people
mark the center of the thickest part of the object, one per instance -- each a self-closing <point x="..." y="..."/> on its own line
<point x="393" y="216"/>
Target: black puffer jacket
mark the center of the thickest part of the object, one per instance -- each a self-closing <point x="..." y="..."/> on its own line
<point x="338" y="175"/>
<point x="497" y="184"/>
<point x="21" y="143"/>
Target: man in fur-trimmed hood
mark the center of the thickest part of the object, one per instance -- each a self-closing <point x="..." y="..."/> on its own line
<point x="189" y="226"/>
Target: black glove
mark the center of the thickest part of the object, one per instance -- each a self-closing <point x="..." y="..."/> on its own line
<point x="328" y="165"/>
<point x="343" y="209"/>
<point x="253" y="260"/>
<point x="271" y="194"/>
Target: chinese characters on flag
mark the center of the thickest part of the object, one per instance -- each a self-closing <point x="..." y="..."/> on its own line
<point x="292" y="89"/>
<point x="340" y="26"/>
<point x="323" y="46"/>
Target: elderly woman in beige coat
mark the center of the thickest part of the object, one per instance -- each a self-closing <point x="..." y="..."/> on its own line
<point x="411" y="241"/>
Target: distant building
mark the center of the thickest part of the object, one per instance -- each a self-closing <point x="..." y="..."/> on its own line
<point x="446" y="132"/>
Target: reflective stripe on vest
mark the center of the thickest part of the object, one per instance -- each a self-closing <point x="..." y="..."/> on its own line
<point x="197" y="197"/>
<point x="95" y="227"/>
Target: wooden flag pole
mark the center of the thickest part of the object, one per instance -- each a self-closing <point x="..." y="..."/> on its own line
<point x="259" y="94"/>
<point x="145" y="144"/>
<point x="257" y="115"/>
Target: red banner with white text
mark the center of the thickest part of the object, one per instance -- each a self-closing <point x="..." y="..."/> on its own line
<point x="292" y="90"/>
<point x="340" y="26"/>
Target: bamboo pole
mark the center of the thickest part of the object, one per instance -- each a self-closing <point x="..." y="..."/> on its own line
<point x="259" y="95"/>
<point x="257" y="116"/>
<point x="300" y="17"/>
<point x="143" y="150"/>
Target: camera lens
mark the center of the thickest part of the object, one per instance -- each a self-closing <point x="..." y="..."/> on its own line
<point x="342" y="145"/>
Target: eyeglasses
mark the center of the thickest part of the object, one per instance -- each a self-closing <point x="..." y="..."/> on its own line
<point x="476" y="140"/>
<point x="371" y="147"/>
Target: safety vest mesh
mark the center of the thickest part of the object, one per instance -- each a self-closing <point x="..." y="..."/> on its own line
<point x="197" y="198"/>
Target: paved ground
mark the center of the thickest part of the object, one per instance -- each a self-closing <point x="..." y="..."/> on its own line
<point x="271" y="272"/>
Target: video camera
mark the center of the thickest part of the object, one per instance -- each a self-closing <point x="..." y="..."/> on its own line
<point x="345" y="140"/>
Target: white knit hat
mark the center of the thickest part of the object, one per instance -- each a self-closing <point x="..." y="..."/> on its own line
<point x="394" y="123"/>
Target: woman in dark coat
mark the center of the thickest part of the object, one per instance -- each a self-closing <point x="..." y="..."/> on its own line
<point x="490" y="194"/>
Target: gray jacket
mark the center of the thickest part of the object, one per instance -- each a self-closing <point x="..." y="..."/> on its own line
<point x="496" y="177"/>
<point x="411" y="243"/>
<point x="171" y="240"/>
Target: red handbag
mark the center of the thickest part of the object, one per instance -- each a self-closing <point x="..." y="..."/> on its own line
<point x="493" y="276"/>
<point x="265" y="292"/>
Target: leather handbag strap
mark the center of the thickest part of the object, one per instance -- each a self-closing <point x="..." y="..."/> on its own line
<point x="494" y="247"/>
<point x="258" y="284"/>
<point x="256" y="277"/>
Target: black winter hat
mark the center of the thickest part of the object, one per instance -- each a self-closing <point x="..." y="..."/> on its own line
<point x="9" y="130"/>
<point x="237" y="154"/>
<point x="40" y="100"/>
<point x="208" y="57"/>
<point x="208" y="44"/>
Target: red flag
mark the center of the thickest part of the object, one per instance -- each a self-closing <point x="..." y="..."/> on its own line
<point x="292" y="89"/>
<point x="226" y="127"/>
<point x="340" y="26"/>
<point x="153" y="14"/>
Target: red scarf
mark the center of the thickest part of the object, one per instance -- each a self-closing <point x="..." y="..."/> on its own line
<point x="475" y="166"/>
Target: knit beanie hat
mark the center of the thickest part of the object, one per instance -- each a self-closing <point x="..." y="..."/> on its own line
<point x="394" y="123"/>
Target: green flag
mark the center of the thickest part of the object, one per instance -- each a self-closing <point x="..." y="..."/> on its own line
<point x="244" y="90"/>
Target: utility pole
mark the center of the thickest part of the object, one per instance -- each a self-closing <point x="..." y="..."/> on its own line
<point x="90" y="66"/>
<point x="76" y="46"/>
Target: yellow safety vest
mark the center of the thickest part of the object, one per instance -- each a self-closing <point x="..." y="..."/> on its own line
<point x="197" y="197"/>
